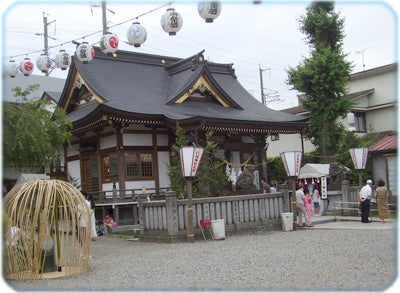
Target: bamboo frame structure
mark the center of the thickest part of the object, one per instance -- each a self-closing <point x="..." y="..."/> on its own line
<point x="48" y="230"/>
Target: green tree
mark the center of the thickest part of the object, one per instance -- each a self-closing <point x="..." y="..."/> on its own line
<point x="32" y="131"/>
<point x="322" y="78"/>
<point x="210" y="180"/>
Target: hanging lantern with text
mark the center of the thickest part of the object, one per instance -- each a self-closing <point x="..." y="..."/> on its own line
<point x="109" y="43"/>
<point x="43" y="63"/>
<point x="292" y="162"/>
<point x="12" y="69"/>
<point x="85" y="52"/>
<point x="209" y="10"/>
<point x="26" y="66"/>
<point x="171" y="21"/>
<point x="63" y="60"/>
<point x="190" y="160"/>
<point x="359" y="157"/>
<point x="136" y="34"/>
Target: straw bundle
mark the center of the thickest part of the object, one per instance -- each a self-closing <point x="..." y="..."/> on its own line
<point x="48" y="230"/>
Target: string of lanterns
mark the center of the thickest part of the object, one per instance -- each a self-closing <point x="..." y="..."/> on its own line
<point x="171" y="23"/>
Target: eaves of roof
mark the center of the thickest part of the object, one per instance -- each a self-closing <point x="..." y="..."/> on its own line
<point x="386" y="144"/>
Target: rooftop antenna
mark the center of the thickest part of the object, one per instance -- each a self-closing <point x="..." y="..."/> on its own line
<point x="362" y="56"/>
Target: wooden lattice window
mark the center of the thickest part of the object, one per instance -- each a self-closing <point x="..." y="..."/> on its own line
<point x="138" y="165"/>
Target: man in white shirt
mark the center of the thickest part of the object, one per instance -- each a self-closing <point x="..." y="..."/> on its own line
<point x="365" y="198"/>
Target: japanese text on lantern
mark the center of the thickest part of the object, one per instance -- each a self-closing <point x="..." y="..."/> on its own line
<point x="196" y="160"/>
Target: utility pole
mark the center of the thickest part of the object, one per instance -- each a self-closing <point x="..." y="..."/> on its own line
<point x="104" y="10"/>
<point x="46" y="37"/>
<point x="104" y="15"/>
<point x="263" y="100"/>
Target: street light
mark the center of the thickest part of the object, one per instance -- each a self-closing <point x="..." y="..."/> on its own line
<point x="359" y="157"/>
<point x="292" y="162"/>
<point x="190" y="160"/>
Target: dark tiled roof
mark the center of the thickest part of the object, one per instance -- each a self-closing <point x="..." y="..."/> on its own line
<point x="388" y="143"/>
<point x="144" y="84"/>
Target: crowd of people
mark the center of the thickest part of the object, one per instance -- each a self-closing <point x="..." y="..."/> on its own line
<point x="308" y="205"/>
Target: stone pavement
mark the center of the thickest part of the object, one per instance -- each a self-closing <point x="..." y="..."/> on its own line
<point x="341" y="255"/>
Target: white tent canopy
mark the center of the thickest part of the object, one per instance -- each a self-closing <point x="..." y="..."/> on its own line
<point x="314" y="171"/>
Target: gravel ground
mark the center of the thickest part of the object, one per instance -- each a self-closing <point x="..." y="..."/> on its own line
<point x="305" y="259"/>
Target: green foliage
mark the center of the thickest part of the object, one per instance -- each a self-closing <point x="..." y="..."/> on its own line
<point x="176" y="178"/>
<point x="211" y="177"/>
<point x="210" y="180"/>
<point x="32" y="133"/>
<point x="276" y="166"/>
<point x="323" y="77"/>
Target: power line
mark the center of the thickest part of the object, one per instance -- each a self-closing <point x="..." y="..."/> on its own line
<point x="94" y="33"/>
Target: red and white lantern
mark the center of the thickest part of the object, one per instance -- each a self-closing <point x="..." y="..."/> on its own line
<point x="136" y="34"/>
<point x="171" y="21"/>
<point x="12" y="69"/>
<point x="85" y="52"/>
<point x="62" y="60"/>
<point x="190" y="160"/>
<point x="26" y="66"/>
<point x="209" y="10"/>
<point x="43" y="63"/>
<point x="109" y="43"/>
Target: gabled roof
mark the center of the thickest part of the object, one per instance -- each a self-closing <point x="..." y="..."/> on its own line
<point x="386" y="144"/>
<point x="137" y="87"/>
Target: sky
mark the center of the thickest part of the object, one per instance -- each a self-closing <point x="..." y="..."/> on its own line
<point x="259" y="40"/>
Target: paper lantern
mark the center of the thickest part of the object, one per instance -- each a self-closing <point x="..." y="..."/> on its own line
<point x="85" y="52"/>
<point x="171" y="21"/>
<point x="190" y="160"/>
<point x="136" y="34"/>
<point x="12" y="69"/>
<point x="43" y="63"/>
<point x="109" y="43"/>
<point x="63" y="60"/>
<point x="209" y="10"/>
<point x="26" y="66"/>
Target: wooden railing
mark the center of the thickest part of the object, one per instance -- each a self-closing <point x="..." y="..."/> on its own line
<point x="166" y="220"/>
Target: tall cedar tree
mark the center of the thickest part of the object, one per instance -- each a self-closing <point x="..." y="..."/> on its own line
<point x="211" y="179"/>
<point x="322" y="78"/>
<point x="32" y="131"/>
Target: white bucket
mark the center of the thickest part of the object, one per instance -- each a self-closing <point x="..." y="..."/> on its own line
<point x="218" y="229"/>
<point x="287" y="221"/>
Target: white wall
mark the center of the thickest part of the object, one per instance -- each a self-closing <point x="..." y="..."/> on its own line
<point x="163" y="163"/>
<point x="137" y="139"/>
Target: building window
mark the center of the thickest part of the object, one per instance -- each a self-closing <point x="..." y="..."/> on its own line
<point x="360" y="122"/>
<point x="138" y="165"/>
<point x="110" y="168"/>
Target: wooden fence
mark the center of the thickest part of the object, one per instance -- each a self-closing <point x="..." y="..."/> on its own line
<point x="166" y="220"/>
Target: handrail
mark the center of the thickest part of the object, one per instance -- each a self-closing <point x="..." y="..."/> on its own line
<point x="341" y="208"/>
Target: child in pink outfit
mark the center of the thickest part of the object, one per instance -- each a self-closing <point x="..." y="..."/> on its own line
<point x="308" y="203"/>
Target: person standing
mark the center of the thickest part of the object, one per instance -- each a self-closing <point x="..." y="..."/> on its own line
<point x="265" y="186"/>
<point x="316" y="200"/>
<point x="300" y="206"/>
<point x="308" y="206"/>
<point x="365" y="198"/>
<point x="90" y="199"/>
<point x="382" y="196"/>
